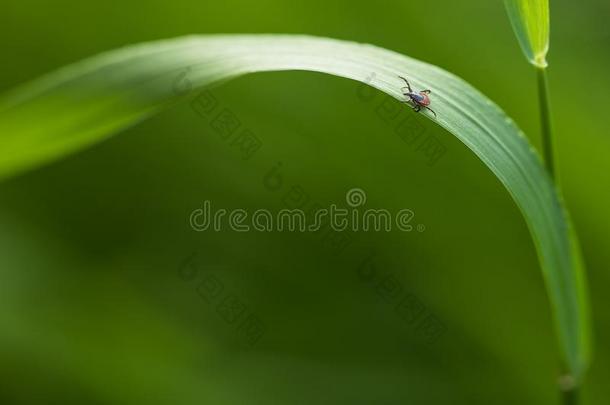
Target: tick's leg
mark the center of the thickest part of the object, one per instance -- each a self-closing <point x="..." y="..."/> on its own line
<point x="408" y="85"/>
<point x="408" y="101"/>
<point x="426" y="91"/>
<point x="431" y="111"/>
<point x="417" y="108"/>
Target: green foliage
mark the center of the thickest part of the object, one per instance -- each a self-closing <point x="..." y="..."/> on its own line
<point x="85" y="103"/>
<point x="530" y="21"/>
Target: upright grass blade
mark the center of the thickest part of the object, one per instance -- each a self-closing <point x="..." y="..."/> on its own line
<point x="530" y="21"/>
<point x="87" y="102"/>
<point x="546" y="128"/>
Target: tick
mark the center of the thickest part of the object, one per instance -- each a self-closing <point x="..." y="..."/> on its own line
<point x="420" y="99"/>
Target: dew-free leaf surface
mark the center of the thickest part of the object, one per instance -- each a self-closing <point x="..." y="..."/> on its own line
<point x="84" y="103"/>
<point x="530" y="21"/>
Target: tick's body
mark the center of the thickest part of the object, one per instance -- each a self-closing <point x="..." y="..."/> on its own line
<point x="419" y="99"/>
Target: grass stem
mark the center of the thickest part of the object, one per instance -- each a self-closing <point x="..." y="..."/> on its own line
<point x="570" y="396"/>
<point x="545" y="121"/>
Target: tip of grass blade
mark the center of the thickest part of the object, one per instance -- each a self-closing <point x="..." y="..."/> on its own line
<point x="530" y="22"/>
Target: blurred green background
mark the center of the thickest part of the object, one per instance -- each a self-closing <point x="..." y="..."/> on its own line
<point x="101" y="298"/>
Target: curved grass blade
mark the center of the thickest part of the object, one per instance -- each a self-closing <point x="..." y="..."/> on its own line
<point x="84" y="103"/>
<point x="530" y="21"/>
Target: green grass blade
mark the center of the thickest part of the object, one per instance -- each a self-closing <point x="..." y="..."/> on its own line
<point x="530" y="21"/>
<point x="87" y="102"/>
